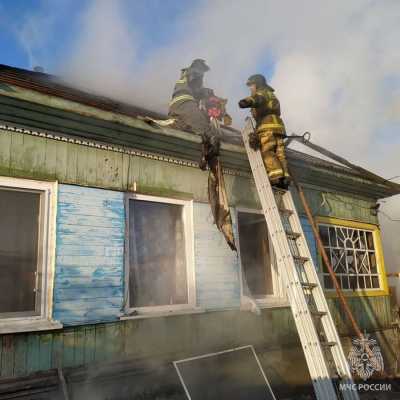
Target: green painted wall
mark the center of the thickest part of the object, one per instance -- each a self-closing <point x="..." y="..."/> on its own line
<point x="170" y="338"/>
<point x="35" y="157"/>
<point x="325" y="203"/>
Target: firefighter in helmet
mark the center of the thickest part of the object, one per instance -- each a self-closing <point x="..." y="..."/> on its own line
<point x="184" y="108"/>
<point x="270" y="129"/>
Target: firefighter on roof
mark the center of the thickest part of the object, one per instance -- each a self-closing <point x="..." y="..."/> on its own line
<point x="184" y="107"/>
<point x="270" y="129"/>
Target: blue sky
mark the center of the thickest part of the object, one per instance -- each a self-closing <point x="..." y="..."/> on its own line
<point x="62" y="19"/>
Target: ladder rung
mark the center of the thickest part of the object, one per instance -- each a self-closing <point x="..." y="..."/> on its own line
<point x="309" y="285"/>
<point x="293" y="235"/>
<point x="328" y="344"/>
<point x="286" y="211"/>
<point x="301" y="259"/>
<point x="318" y="313"/>
<point x="278" y="190"/>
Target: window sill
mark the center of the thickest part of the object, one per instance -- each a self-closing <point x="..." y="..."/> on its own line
<point x="249" y="304"/>
<point x="155" y="314"/>
<point x="28" y="326"/>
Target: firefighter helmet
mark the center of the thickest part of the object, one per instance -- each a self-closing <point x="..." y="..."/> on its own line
<point x="198" y="65"/>
<point x="258" y="80"/>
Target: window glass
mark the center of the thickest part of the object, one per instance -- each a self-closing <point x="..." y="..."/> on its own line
<point x="157" y="256"/>
<point x="19" y="250"/>
<point x="352" y="255"/>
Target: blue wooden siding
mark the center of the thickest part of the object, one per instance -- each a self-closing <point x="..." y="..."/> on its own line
<point x="89" y="255"/>
<point x="216" y="265"/>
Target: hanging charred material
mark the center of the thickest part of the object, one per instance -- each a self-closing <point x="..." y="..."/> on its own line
<point x="218" y="200"/>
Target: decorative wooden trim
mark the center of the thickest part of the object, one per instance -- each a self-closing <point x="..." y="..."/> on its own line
<point x="114" y="148"/>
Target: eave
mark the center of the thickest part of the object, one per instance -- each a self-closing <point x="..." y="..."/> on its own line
<point x="30" y="108"/>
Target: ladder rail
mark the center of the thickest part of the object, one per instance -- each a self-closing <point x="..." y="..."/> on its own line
<point x="312" y="348"/>
<point x="295" y="288"/>
<point x="322" y="304"/>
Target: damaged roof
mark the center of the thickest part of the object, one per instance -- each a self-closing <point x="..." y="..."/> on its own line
<point x="233" y="154"/>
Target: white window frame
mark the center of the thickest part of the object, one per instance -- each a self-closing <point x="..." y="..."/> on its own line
<point x="278" y="298"/>
<point x="47" y="237"/>
<point x="189" y="251"/>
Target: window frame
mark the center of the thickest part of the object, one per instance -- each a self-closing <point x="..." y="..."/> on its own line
<point x="278" y="298"/>
<point x="189" y="250"/>
<point x="381" y="270"/>
<point x="10" y="323"/>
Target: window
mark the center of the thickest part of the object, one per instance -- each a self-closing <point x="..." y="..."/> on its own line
<point x="255" y="255"/>
<point x="160" y="273"/>
<point x="354" y="252"/>
<point x="27" y="215"/>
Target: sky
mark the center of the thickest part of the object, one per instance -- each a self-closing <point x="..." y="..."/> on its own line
<point x="335" y="65"/>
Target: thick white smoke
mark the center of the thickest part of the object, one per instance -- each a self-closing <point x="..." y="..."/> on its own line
<point x="335" y="67"/>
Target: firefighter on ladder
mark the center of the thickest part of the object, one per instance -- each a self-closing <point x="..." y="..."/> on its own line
<point x="270" y="129"/>
<point x="184" y="108"/>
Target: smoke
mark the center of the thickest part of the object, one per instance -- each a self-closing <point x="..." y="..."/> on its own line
<point x="334" y="65"/>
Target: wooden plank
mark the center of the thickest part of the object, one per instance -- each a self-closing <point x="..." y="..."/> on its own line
<point x="113" y="341"/>
<point x="7" y="359"/>
<point x="21" y="353"/>
<point x="89" y="344"/>
<point x="71" y="218"/>
<point x="34" y="156"/>
<point x="82" y="164"/>
<point x="58" y="350"/>
<point x="51" y="158"/>
<point x="82" y="261"/>
<point x="91" y="250"/>
<point x="91" y="195"/>
<point x="16" y="154"/>
<point x="79" y="346"/>
<point x="61" y="161"/>
<point x="69" y="349"/>
<point x="109" y="169"/>
<point x="211" y="255"/>
<point x="88" y="281"/>
<point x="95" y="271"/>
<point x="88" y="293"/>
<point x="91" y="173"/>
<point x="32" y="364"/>
<point x="45" y="351"/>
<point x="72" y="163"/>
<point x="85" y="311"/>
<point x="5" y="149"/>
<point x="100" y="343"/>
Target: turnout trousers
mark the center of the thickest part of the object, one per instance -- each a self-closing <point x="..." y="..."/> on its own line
<point x="273" y="154"/>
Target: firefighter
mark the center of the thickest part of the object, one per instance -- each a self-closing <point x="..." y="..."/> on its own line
<point x="270" y="129"/>
<point x="184" y="108"/>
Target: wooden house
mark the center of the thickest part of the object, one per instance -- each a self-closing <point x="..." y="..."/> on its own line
<point x="111" y="267"/>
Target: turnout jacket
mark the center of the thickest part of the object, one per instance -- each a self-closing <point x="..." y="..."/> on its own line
<point x="266" y="110"/>
<point x="189" y="87"/>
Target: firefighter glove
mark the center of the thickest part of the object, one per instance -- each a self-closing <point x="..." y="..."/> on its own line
<point x="245" y="103"/>
<point x="254" y="141"/>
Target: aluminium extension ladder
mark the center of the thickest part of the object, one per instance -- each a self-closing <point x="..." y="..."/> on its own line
<point x="323" y="351"/>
